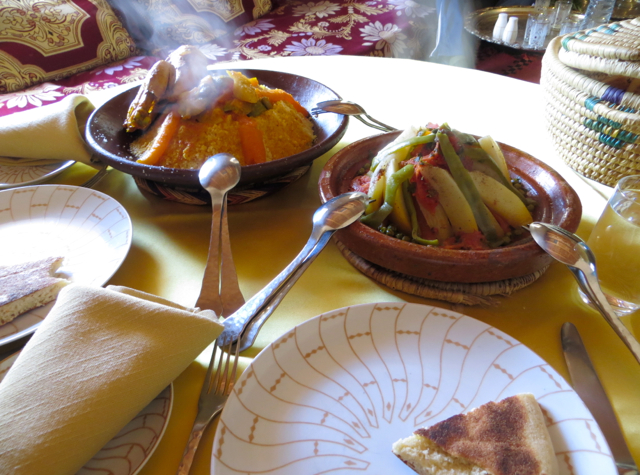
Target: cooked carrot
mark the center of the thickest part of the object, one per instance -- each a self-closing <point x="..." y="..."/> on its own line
<point x="275" y="95"/>
<point x="252" y="141"/>
<point x="161" y="141"/>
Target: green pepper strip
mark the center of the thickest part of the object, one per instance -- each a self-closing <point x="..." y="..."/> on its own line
<point x="375" y="219"/>
<point x="394" y="147"/>
<point x="465" y="138"/>
<point x="469" y="190"/>
<point x="415" y="227"/>
<point x="478" y="154"/>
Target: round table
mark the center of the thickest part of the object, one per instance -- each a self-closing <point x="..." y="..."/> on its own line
<point x="170" y="240"/>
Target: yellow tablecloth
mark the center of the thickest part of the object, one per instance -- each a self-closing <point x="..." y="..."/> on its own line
<point x="170" y="240"/>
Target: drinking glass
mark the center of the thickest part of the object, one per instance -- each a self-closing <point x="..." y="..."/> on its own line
<point x="539" y="29"/>
<point x="615" y="241"/>
<point x="569" y="26"/>
<point x="541" y="5"/>
<point x="562" y="9"/>
<point x="527" y="29"/>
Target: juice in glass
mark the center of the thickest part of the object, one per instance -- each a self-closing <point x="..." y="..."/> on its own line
<point x="615" y="241"/>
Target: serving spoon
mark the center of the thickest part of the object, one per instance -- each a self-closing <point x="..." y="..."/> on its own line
<point x="220" y="291"/>
<point x="339" y="106"/>
<point x="243" y="326"/>
<point x="572" y="251"/>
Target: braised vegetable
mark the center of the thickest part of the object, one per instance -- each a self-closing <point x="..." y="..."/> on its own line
<point x="493" y="150"/>
<point x="161" y="141"/>
<point x="438" y="186"/>
<point x="376" y="218"/>
<point x="251" y="141"/>
<point x="379" y="167"/>
<point x="485" y="220"/>
<point x="452" y="199"/>
<point x="415" y="225"/>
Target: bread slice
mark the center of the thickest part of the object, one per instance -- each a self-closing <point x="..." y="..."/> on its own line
<point x="26" y="286"/>
<point x="508" y="437"/>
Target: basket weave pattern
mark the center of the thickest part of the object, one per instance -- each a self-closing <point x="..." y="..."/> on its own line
<point x="591" y="107"/>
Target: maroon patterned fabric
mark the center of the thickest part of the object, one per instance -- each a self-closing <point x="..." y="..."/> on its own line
<point x="384" y="28"/>
<point x="163" y="25"/>
<point x="47" y="40"/>
<point x="104" y="77"/>
<point x="509" y="62"/>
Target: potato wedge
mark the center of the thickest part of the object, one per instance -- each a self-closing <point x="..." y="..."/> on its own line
<point x="376" y="191"/>
<point x="378" y="179"/>
<point x="493" y="150"/>
<point x="452" y="200"/>
<point x="499" y="199"/>
<point x="400" y="154"/>
<point x="438" y="221"/>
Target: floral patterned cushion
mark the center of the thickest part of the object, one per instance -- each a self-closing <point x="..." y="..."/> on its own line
<point x="166" y="24"/>
<point x="121" y="72"/>
<point x="46" y="40"/>
<point x="389" y="28"/>
<point x="385" y="28"/>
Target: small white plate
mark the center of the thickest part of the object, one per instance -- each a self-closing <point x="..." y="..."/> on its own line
<point x="11" y="177"/>
<point x="130" y="449"/>
<point x="335" y="392"/>
<point x="89" y="229"/>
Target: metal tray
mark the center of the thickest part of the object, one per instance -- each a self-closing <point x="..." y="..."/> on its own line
<point x="481" y="22"/>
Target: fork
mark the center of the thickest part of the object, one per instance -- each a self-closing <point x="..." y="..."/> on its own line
<point x="350" y="108"/>
<point x="213" y="396"/>
<point x="96" y="178"/>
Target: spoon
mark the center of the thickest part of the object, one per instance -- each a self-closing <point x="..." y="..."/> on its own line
<point x="572" y="251"/>
<point x="220" y="291"/>
<point x="350" y="108"/>
<point x="335" y="214"/>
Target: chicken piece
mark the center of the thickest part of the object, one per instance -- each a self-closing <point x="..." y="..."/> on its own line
<point x="167" y="79"/>
<point x="203" y="96"/>
<point x="191" y="67"/>
<point x="161" y="77"/>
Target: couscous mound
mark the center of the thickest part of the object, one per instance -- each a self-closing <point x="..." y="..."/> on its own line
<point x="278" y="129"/>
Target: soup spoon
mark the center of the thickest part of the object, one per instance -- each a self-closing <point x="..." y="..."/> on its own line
<point x="572" y="251"/>
<point x="220" y="291"/>
<point x="243" y="326"/>
<point x="350" y="108"/>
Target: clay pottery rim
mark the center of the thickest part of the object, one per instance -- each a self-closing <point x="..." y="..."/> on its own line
<point x="108" y="139"/>
<point x="557" y="203"/>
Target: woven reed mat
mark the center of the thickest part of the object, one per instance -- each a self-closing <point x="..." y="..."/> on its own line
<point x="457" y="293"/>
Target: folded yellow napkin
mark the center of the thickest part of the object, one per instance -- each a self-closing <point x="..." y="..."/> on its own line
<point x="99" y="357"/>
<point x="46" y="134"/>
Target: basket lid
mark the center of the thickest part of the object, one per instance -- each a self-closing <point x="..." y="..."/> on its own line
<point x="612" y="49"/>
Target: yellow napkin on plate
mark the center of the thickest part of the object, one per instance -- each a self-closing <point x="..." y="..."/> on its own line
<point x="46" y="134"/>
<point x="99" y="357"/>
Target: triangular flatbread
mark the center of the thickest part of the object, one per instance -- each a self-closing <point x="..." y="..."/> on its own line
<point x="508" y="437"/>
<point x="27" y="286"/>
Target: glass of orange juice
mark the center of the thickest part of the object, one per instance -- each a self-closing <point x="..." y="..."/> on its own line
<point x="615" y="241"/>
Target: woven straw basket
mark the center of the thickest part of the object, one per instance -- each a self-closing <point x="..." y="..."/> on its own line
<point x="589" y="79"/>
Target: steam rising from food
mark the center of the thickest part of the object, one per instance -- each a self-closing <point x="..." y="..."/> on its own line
<point x="177" y="79"/>
<point x="187" y="115"/>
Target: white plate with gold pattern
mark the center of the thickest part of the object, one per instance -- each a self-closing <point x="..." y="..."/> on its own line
<point x="335" y="392"/>
<point x="11" y="176"/>
<point x="130" y="449"/>
<point x="89" y="229"/>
